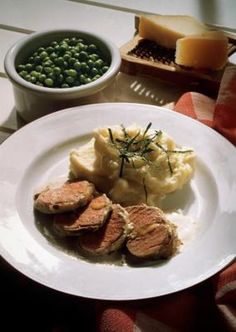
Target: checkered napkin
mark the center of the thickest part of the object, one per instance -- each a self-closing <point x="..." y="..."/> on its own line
<point x="211" y="305"/>
<point x="219" y="114"/>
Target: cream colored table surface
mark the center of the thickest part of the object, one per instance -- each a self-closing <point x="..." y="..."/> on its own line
<point x="113" y="19"/>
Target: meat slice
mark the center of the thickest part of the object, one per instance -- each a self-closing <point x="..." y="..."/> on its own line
<point x="143" y="215"/>
<point x="110" y="237"/>
<point x="152" y="236"/>
<point x="90" y="217"/>
<point x="68" y="197"/>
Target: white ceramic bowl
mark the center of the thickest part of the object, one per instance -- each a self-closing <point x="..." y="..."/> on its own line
<point x="33" y="101"/>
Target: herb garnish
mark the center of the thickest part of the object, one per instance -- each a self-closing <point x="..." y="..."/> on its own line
<point x="130" y="147"/>
<point x="145" y="191"/>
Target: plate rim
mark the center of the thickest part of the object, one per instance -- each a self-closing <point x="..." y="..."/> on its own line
<point x="94" y="105"/>
<point x="84" y="107"/>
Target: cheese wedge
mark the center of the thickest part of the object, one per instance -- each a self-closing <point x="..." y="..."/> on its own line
<point x="165" y="30"/>
<point x="207" y="51"/>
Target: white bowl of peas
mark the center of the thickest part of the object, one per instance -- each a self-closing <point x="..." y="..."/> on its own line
<point x="56" y="69"/>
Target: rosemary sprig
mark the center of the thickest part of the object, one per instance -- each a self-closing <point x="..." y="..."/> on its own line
<point x="129" y="147"/>
<point x="179" y="151"/>
<point x="111" y="135"/>
<point x="167" y="156"/>
<point x="147" y="128"/>
<point x="145" y="191"/>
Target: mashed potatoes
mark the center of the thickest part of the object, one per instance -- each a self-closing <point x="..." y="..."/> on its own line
<point x="133" y="165"/>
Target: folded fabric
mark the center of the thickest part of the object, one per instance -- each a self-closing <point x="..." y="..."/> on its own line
<point x="211" y="305"/>
<point x="224" y="119"/>
<point x="219" y="114"/>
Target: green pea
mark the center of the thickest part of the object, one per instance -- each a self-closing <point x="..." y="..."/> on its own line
<point x="66" y="57"/>
<point x="69" y="79"/>
<point x="41" y="49"/>
<point x="59" y="61"/>
<point x="65" y="85"/>
<point x="72" y="72"/>
<point x="23" y="73"/>
<point x="47" y="70"/>
<point x="98" y="63"/>
<point x="37" y="59"/>
<point x="48" y="63"/>
<point x="88" y="80"/>
<point x="73" y="52"/>
<point x="28" y="67"/>
<point x="60" y="79"/>
<point x="52" y="76"/>
<point x="54" y="43"/>
<point x="80" y="40"/>
<point x="47" y="58"/>
<point x="49" y="49"/>
<point x="39" y="83"/>
<point x="57" y="49"/>
<point x="83" y="56"/>
<point x="92" y="48"/>
<point x="73" y="41"/>
<point x="27" y="77"/>
<point x="39" y="68"/>
<point x="43" y="55"/>
<point x="90" y="63"/>
<point x="93" y="57"/>
<point x="20" y="68"/>
<point x="84" y="67"/>
<point x="33" y="79"/>
<point x="34" y="73"/>
<point x="77" y="65"/>
<point x="42" y="78"/>
<point x="71" y="61"/>
<point x="80" y="46"/>
<point x="105" y="68"/>
<point x="82" y="78"/>
<point x="65" y="64"/>
<point x="57" y="70"/>
<point x="94" y="71"/>
<point x="96" y="77"/>
<point x="49" y="82"/>
<point x="53" y="56"/>
<point x="31" y="59"/>
<point x="76" y="49"/>
<point x="63" y="48"/>
<point x="66" y="40"/>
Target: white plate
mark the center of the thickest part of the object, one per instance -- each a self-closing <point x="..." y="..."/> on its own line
<point x="38" y="153"/>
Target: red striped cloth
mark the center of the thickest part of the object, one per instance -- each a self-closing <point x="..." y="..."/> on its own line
<point x="219" y="114"/>
<point x="211" y="305"/>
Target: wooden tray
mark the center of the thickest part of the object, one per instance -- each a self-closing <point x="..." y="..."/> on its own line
<point x="145" y="58"/>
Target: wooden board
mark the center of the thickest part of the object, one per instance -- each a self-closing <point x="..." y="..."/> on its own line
<point x="161" y="65"/>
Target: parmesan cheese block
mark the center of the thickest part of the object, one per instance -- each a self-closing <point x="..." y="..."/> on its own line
<point x="165" y="30"/>
<point x="207" y="51"/>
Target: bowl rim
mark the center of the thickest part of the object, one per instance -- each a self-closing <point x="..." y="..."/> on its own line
<point x="16" y="79"/>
